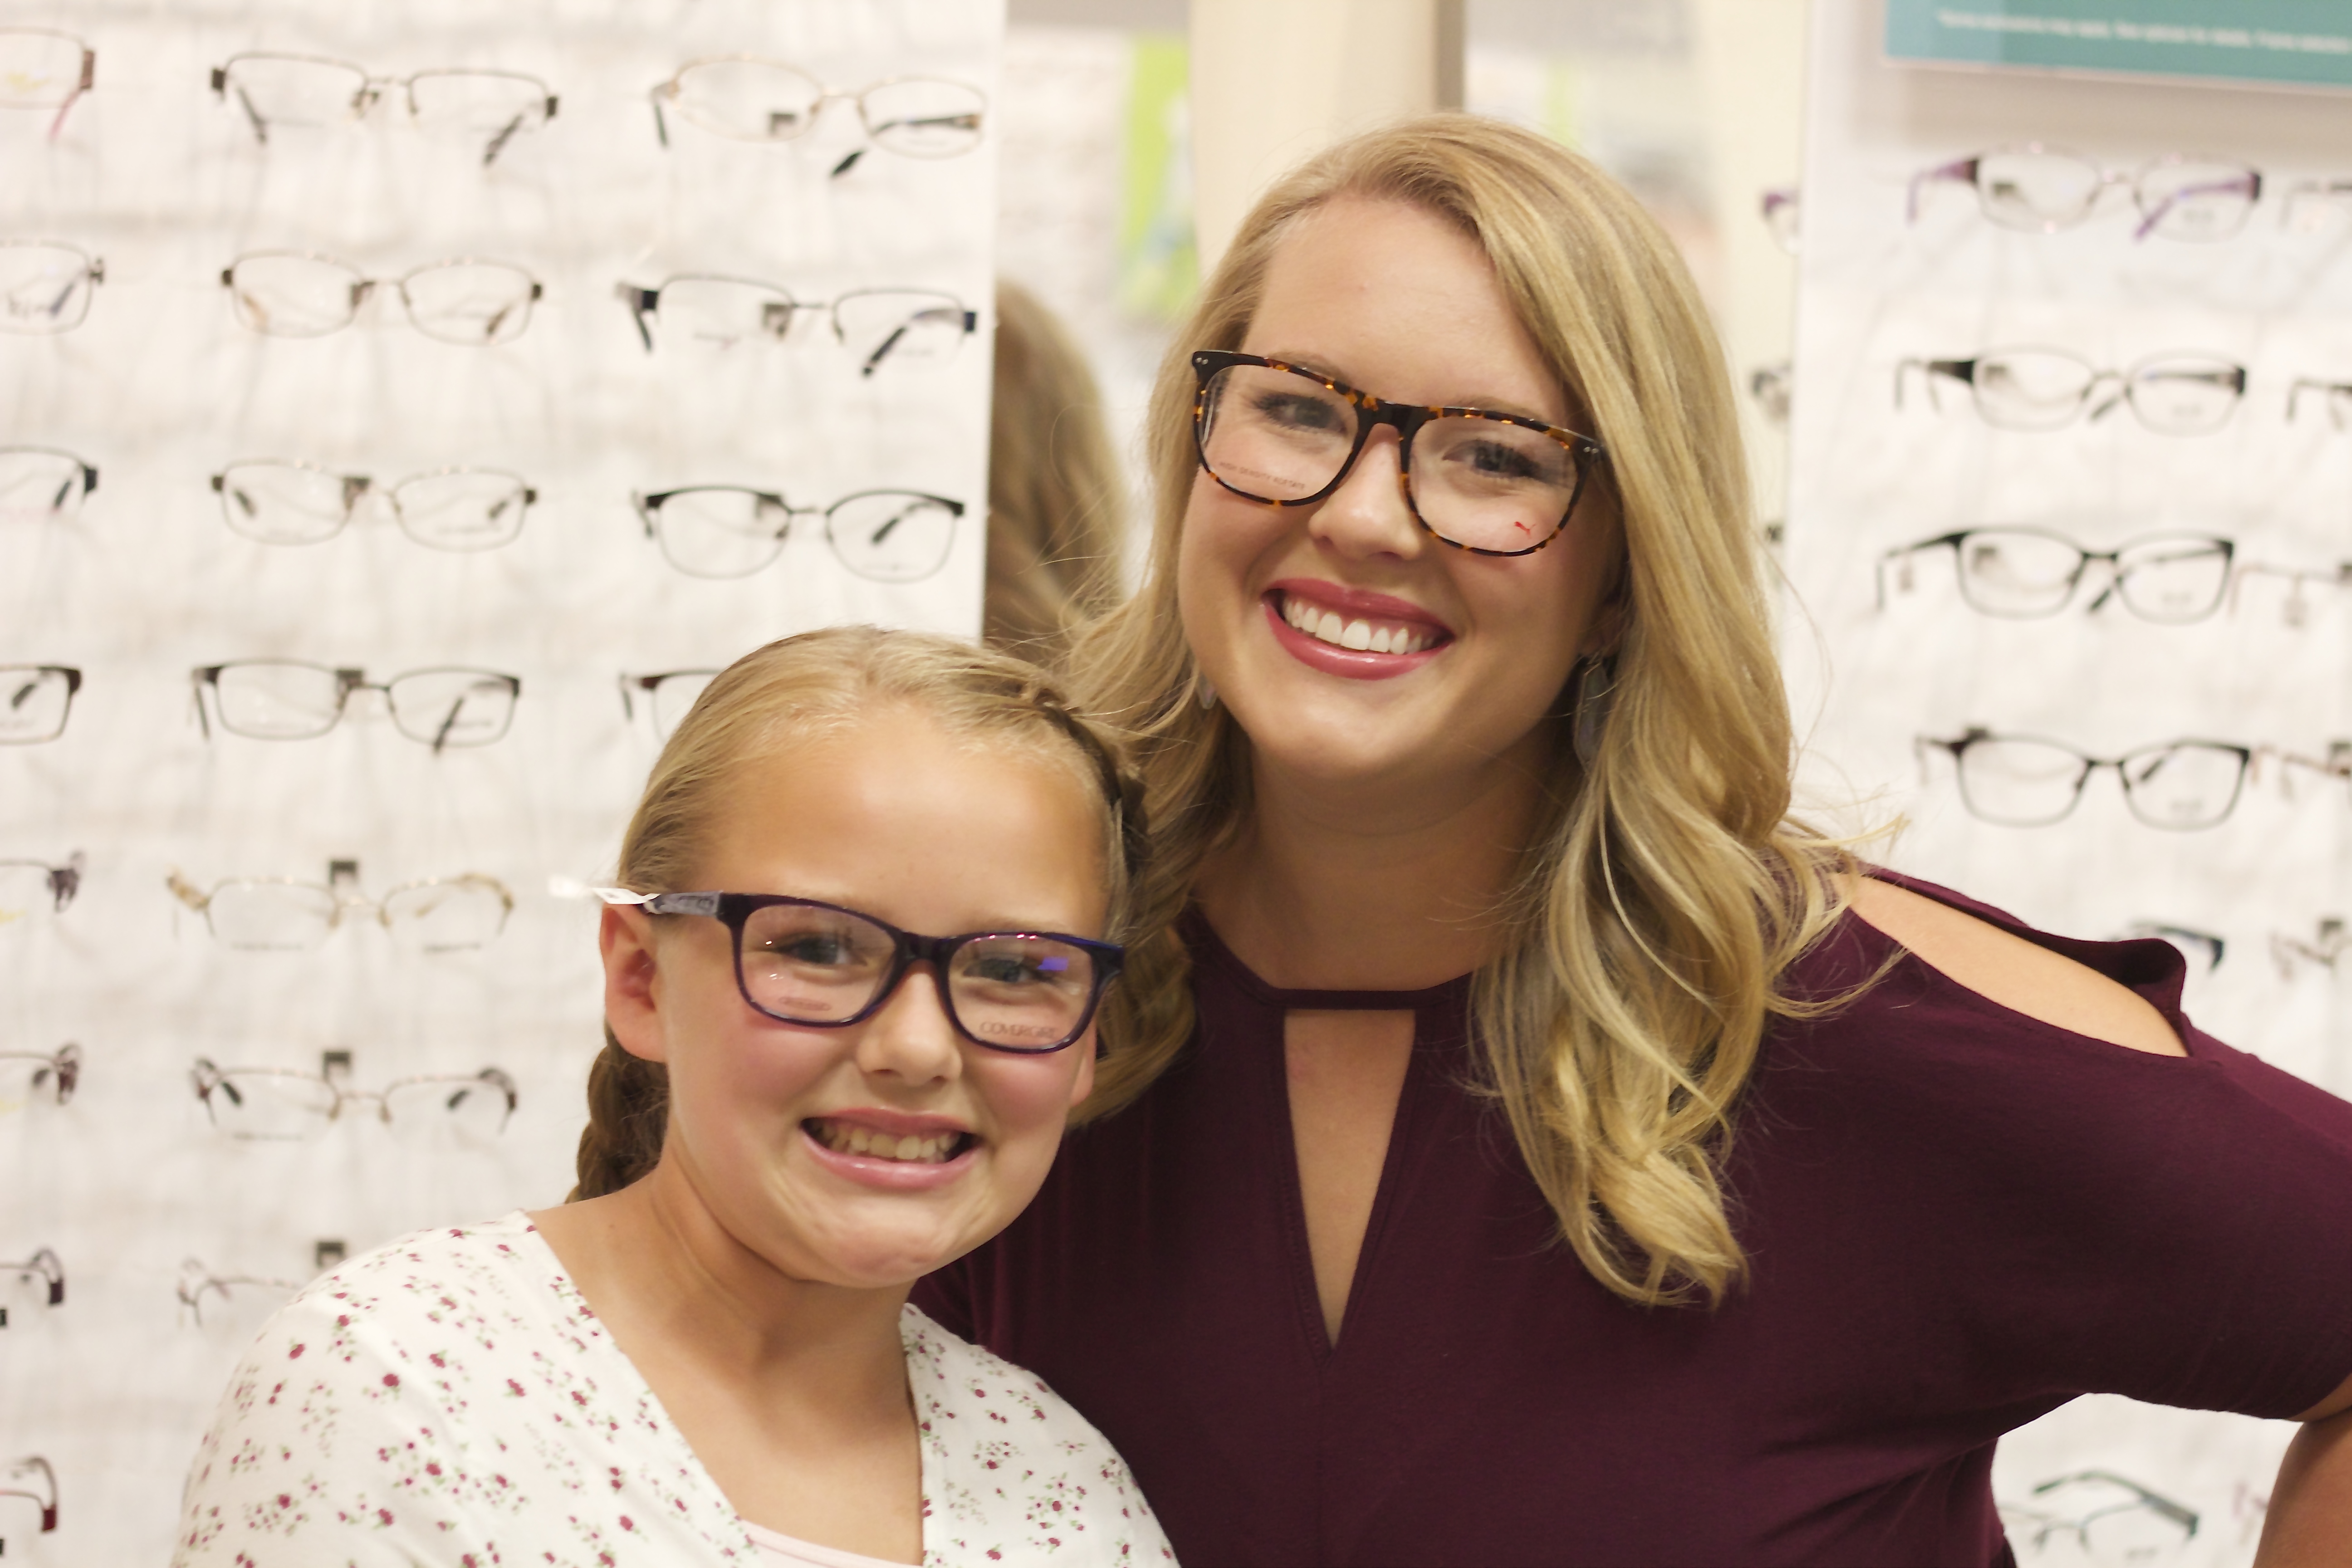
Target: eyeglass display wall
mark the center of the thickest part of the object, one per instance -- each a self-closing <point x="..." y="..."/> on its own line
<point x="403" y="408"/>
<point x="2071" y="535"/>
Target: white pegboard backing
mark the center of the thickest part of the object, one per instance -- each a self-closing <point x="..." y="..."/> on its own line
<point x="1936" y="334"/>
<point x="433" y="457"/>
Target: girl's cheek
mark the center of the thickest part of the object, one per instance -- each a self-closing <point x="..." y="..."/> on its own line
<point x="1026" y="1094"/>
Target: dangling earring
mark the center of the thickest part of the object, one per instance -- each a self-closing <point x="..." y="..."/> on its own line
<point x="1594" y="689"/>
<point x="1203" y="693"/>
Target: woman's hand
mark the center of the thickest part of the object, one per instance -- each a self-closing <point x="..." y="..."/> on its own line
<point x="2310" y="1521"/>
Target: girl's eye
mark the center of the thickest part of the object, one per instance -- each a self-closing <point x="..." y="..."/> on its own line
<point x="1002" y="970"/>
<point x="812" y="948"/>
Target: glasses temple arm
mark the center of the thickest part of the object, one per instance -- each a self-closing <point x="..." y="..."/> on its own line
<point x="639" y="301"/>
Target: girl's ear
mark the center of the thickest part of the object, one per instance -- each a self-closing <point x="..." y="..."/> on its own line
<point x="631" y="982"/>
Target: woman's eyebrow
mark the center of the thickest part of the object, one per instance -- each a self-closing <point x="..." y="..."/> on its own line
<point x="1510" y="406"/>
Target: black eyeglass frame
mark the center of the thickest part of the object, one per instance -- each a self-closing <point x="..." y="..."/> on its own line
<point x="1406" y="419"/>
<point x="734" y="910"/>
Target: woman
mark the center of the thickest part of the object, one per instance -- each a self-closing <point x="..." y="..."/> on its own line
<point x="802" y="1106"/>
<point x="1529" y="1146"/>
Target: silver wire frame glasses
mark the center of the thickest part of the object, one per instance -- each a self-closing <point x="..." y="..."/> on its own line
<point x="28" y="1076"/>
<point x="40" y="1277"/>
<point x="491" y="107"/>
<point x="282" y="914"/>
<point x="299" y="503"/>
<point x="2026" y="780"/>
<point x="668" y="696"/>
<point x="2042" y="190"/>
<point x="32" y="888"/>
<point x="2022" y="574"/>
<point x="733" y="531"/>
<point x="31" y="1478"/>
<point x="300" y="294"/>
<point x="290" y="700"/>
<point x="2179" y="394"/>
<point x="281" y="1105"/>
<point x="902" y="326"/>
<point x="744" y="98"/>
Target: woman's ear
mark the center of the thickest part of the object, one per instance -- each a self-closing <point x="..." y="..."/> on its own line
<point x="631" y="982"/>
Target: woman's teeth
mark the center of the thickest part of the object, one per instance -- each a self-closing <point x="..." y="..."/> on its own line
<point x="844" y="1139"/>
<point x="1325" y="626"/>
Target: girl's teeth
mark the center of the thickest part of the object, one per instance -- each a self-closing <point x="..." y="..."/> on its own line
<point x="931" y="1151"/>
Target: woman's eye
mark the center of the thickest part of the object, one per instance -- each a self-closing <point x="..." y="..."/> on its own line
<point x="1298" y="412"/>
<point x="1495" y="460"/>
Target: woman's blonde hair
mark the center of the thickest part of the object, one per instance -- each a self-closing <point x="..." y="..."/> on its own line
<point x="1664" y="891"/>
<point x="802" y="689"/>
<point x="1054" y="492"/>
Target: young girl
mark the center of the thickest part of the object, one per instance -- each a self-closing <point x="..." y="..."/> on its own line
<point x="804" y="1103"/>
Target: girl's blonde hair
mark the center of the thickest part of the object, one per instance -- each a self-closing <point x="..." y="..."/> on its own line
<point x="1055" y="494"/>
<point x="1664" y="892"/>
<point x="802" y="689"/>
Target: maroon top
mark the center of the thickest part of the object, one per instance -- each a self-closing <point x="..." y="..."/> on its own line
<point x="1957" y="1219"/>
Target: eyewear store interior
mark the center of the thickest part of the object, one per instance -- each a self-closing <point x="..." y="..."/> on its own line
<point x="404" y="417"/>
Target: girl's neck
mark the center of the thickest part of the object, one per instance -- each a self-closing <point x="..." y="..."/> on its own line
<point x="1378" y="885"/>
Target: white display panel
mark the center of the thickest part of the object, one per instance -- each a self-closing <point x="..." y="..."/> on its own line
<point x="164" y="386"/>
<point x="2265" y="669"/>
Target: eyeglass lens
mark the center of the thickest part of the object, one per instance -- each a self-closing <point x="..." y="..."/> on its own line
<point x="808" y="965"/>
<point x="1282" y="436"/>
<point x="27" y="1079"/>
<point x="43" y="287"/>
<point x="474" y="303"/>
<point x="295" y="917"/>
<point x="670" y="694"/>
<point x="262" y="1105"/>
<point x="38" y="69"/>
<point x="2024" y="783"/>
<point x="37" y="484"/>
<point x="2024" y="573"/>
<point x="294" y="503"/>
<point x="34" y="702"/>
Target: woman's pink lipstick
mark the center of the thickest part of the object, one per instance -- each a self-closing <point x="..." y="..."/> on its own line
<point x="1351" y="605"/>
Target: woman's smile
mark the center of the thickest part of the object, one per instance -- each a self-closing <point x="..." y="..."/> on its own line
<point x="1351" y="632"/>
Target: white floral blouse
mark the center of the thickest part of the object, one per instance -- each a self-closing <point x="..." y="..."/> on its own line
<point x="450" y="1399"/>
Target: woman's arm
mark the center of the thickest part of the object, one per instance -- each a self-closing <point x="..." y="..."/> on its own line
<point x="2310" y="1521"/>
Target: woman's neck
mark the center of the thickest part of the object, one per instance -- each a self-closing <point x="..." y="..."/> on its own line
<point x="1381" y="885"/>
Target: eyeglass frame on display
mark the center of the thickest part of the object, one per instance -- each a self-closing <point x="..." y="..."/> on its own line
<point x="334" y="1071"/>
<point x="47" y="1499"/>
<point x="88" y="476"/>
<point x="87" y="82"/>
<point x="1974" y="734"/>
<point x="342" y="887"/>
<point x="643" y="301"/>
<point x="93" y="272"/>
<point x="2336" y="393"/>
<point x="65" y="881"/>
<point x="362" y="287"/>
<point x="1406" y="419"/>
<point x="193" y="1300"/>
<point x="825" y="95"/>
<point x="357" y="487"/>
<point x="1965" y="371"/>
<point x="2327" y="946"/>
<point x="2162" y="1506"/>
<point x="651" y="685"/>
<point x="2294" y="612"/>
<point x="54" y="1272"/>
<point x="1968" y="171"/>
<point x="349" y="680"/>
<point x="2116" y="573"/>
<point x="372" y="91"/>
<point x="648" y="506"/>
<point x="734" y="910"/>
<point x="72" y="678"/>
<point x="65" y="1062"/>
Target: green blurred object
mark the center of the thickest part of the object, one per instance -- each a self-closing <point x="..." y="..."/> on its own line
<point x="1159" y="263"/>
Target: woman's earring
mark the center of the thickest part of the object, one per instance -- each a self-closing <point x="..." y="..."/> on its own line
<point x="1594" y="689"/>
<point x="1203" y="693"/>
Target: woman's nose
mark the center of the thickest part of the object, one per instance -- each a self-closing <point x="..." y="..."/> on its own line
<point x="1368" y="516"/>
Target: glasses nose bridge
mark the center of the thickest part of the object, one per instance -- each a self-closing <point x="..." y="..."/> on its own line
<point x="2118" y="387"/>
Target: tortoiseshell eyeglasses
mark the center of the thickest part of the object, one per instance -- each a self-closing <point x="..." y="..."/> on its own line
<point x="1493" y="484"/>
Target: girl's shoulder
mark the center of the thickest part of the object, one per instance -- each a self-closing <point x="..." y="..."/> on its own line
<point x="1010" y="1470"/>
<point x="497" y="1272"/>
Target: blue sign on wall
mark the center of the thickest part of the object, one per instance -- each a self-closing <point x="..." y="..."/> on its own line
<point x="2307" y="43"/>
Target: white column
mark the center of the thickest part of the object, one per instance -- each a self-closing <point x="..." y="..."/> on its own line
<point x="1274" y="80"/>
